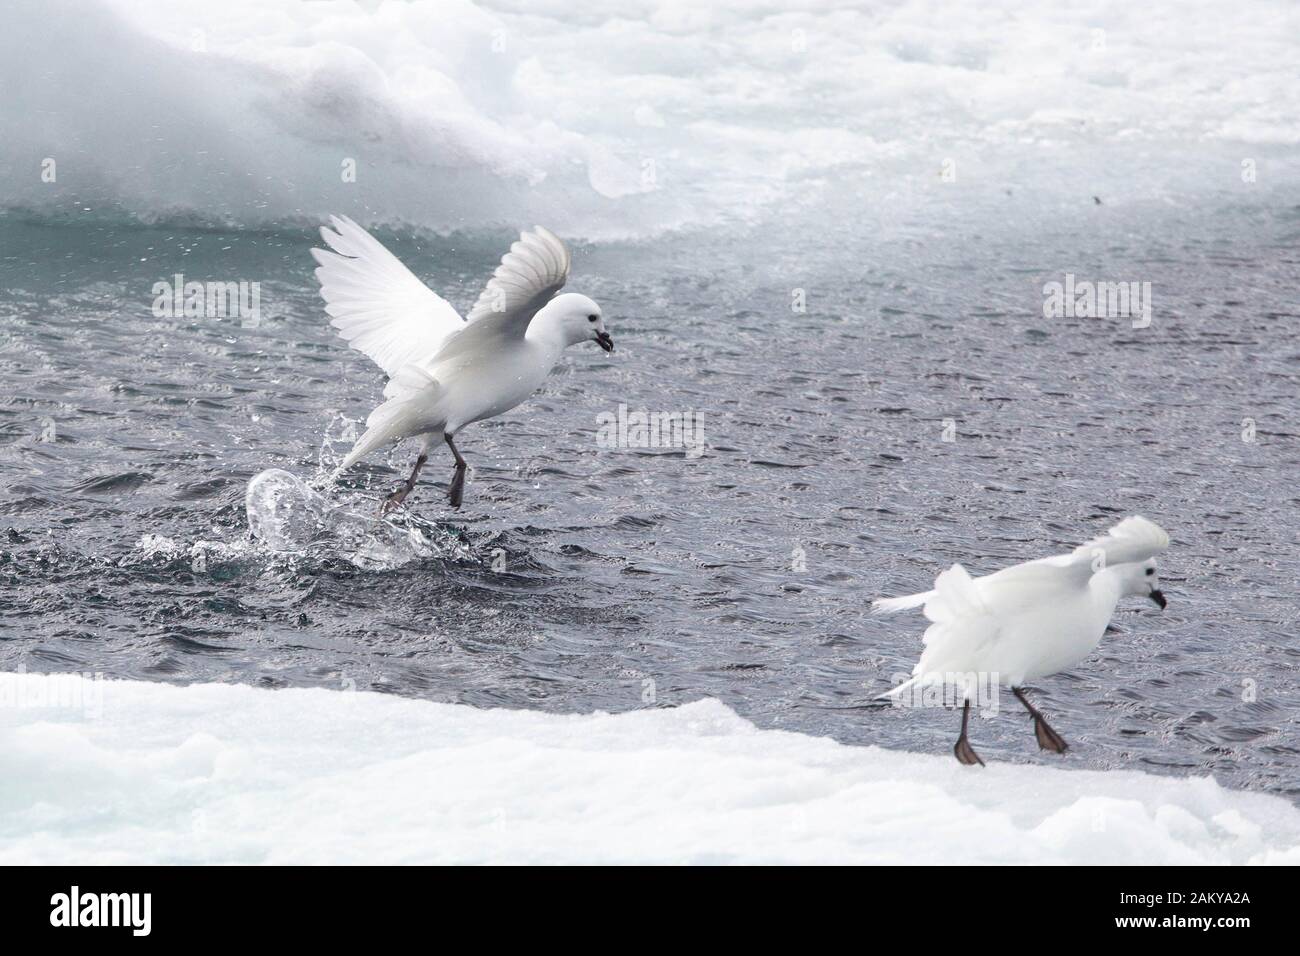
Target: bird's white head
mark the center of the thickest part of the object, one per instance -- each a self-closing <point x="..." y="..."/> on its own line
<point x="578" y="319"/>
<point x="1141" y="579"/>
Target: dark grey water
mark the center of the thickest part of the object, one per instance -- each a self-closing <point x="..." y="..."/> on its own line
<point x="643" y="576"/>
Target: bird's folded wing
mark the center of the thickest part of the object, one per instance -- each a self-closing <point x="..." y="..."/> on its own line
<point x="376" y="303"/>
<point x="530" y="274"/>
<point x="1133" y="539"/>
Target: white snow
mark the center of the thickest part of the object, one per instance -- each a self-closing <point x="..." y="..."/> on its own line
<point x="134" y="772"/>
<point x="638" y="115"/>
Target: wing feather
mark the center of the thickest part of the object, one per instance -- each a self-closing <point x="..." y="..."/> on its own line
<point x="961" y="624"/>
<point x="1133" y="539"/>
<point x="529" y="276"/>
<point x="377" y="304"/>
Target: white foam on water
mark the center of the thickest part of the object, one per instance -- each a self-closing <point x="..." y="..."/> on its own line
<point x="289" y="520"/>
<point x="288" y="516"/>
<point x="135" y="772"/>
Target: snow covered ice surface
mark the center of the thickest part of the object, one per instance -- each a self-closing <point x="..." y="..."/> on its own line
<point x="137" y="772"/>
<point x="463" y="114"/>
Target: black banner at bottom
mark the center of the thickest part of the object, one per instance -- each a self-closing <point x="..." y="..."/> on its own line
<point x="130" y="905"/>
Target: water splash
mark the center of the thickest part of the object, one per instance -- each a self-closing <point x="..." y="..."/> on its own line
<point x="288" y="516"/>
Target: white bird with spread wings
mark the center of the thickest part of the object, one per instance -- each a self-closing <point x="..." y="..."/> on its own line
<point x="1029" y="620"/>
<point x="445" y="372"/>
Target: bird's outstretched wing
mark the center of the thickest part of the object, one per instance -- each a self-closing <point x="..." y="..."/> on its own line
<point x="376" y="303"/>
<point x="530" y="274"/>
<point x="1133" y="539"/>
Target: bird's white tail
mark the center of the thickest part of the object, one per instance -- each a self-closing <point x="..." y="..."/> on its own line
<point x="408" y="411"/>
<point x="896" y="604"/>
<point x="379" y="433"/>
<point x="901" y="689"/>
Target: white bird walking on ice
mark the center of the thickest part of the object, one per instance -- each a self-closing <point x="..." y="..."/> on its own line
<point x="445" y="372"/>
<point x="1030" y="620"/>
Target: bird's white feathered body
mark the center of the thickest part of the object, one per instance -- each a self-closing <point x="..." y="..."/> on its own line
<point x="445" y="372"/>
<point x="449" y="392"/>
<point x="1033" y="619"/>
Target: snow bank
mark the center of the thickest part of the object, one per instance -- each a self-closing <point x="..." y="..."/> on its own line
<point x="622" y="118"/>
<point x="128" y="772"/>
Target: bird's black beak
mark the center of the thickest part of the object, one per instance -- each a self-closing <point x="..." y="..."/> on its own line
<point x="605" y="341"/>
<point x="1159" y="598"/>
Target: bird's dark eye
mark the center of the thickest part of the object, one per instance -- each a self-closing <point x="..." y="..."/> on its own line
<point x="592" y="318"/>
<point x="1150" y="571"/>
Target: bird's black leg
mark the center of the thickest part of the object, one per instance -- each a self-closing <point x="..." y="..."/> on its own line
<point x="398" y="496"/>
<point x="1048" y="739"/>
<point x="963" y="750"/>
<point x="457" y="490"/>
